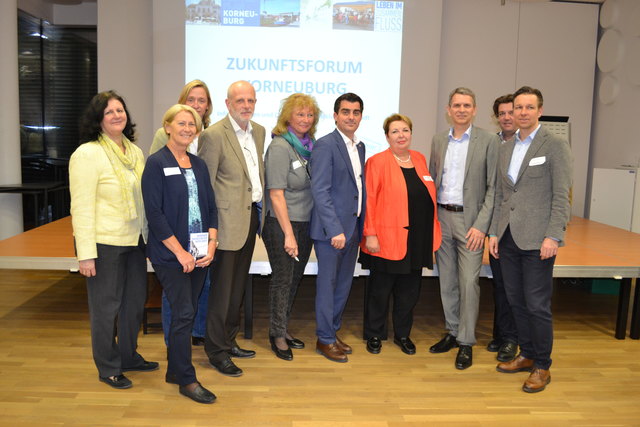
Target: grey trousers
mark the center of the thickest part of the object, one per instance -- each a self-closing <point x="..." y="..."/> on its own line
<point x="117" y="294"/>
<point x="286" y="272"/>
<point x="459" y="270"/>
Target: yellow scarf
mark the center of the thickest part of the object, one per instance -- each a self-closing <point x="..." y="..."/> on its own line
<point x="122" y="163"/>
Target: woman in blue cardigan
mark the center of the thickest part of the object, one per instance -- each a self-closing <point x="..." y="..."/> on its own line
<point x="183" y="229"/>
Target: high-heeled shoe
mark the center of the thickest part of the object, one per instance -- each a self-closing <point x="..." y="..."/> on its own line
<point x="281" y="354"/>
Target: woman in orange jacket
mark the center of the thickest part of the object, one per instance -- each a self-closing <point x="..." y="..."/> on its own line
<point x="401" y="233"/>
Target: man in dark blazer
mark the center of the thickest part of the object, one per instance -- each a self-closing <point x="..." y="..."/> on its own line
<point x="530" y="219"/>
<point x="233" y="151"/>
<point x="463" y="166"/>
<point x="505" y="334"/>
<point x="338" y="190"/>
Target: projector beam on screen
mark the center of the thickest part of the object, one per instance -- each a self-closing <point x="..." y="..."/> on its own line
<point x="318" y="47"/>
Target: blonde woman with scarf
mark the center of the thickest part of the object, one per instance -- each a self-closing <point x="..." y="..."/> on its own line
<point x="288" y="212"/>
<point x="110" y="231"/>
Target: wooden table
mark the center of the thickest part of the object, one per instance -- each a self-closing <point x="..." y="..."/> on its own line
<point x="593" y="250"/>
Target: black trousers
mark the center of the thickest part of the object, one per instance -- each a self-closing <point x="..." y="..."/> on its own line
<point x="406" y="292"/>
<point x="504" y="326"/>
<point x="286" y="272"/>
<point x="228" y="279"/>
<point x="182" y="291"/>
<point x="116" y="295"/>
<point x="528" y="282"/>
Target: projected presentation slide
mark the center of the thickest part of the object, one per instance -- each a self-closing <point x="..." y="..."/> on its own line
<point x="319" y="47"/>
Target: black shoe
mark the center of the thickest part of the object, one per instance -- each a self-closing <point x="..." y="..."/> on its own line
<point x="494" y="345"/>
<point x="170" y="378"/>
<point x="444" y="345"/>
<point x="118" y="381"/>
<point x="405" y="344"/>
<point x="197" y="341"/>
<point x="241" y="353"/>
<point x="374" y="345"/>
<point x="226" y="367"/>
<point x="282" y="354"/>
<point x="199" y="394"/>
<point x="507" y="352"/>
<point x="145" y="367"/>
<point x="464" y="359"/>
<point x="294" y="343"/>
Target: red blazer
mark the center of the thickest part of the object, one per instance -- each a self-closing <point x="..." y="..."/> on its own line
<point x="388" y="205"/>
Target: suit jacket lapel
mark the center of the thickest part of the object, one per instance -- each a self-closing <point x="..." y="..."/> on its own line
<point x="360" y="147"/>
<point x="258" y="138"/>
<point x="444" y="144"/>
<point x="342" y="148"/>
<point x="471" y="149"/>
<point x="536" y="144"/>
<point x="505" y="159"/>
<point x="232" y="139"/>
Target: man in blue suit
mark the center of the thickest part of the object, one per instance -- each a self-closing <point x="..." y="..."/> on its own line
<point x="338" y="189"/>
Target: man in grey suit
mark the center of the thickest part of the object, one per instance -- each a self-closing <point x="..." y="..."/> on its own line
<point x="531" y="214"/>
<point x="463" y="166"/>
<point x="233" y="150"/>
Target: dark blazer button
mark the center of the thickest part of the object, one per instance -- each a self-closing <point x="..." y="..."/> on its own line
<point x="248" y="208"/>
<point x="513" y="208"/>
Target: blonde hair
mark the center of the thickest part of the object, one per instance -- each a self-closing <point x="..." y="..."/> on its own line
<point x="396" y="118"/>
<point x="295" y="102"/>
<point x="184" y="94"/>
<point x="173" y="111"/>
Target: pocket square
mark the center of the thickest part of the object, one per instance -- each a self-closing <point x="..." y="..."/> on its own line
<point x="537" y="161"/>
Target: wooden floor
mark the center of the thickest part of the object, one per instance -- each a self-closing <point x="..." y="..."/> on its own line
<point x="47" y="375"/>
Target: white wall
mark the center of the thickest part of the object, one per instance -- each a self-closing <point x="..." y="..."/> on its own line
<point x="479" y="51"/>
<point x="496" y="49"/>
<point x="125" y="59"/>
<point x="420" y="69"/>
<point x="557" y="54"/>
<point x="615" y="124"/>
<point x="168" y="57"/>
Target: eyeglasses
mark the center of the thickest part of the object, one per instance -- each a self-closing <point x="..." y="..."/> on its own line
<point x="250" y="155"/>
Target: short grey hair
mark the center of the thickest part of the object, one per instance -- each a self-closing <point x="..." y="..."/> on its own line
<point x="462" y="91"/>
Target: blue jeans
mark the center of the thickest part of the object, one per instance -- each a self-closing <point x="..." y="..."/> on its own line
<point x="200" y="321"/>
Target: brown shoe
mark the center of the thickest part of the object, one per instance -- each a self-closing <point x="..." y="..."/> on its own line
<point x="537" y="381"/>
<point x="346" y="348"/>
<point x="519" y="364"/>
<point x="331" y="352"/>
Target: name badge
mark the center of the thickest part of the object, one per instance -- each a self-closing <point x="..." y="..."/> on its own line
<point x="537" y="161"/>
<point x="171" y="171"/>
<point x="296" y="164"/>
<point x="427" y="178"/>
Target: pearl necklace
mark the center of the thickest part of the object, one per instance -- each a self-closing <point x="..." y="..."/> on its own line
<point x="402" y="161"/>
